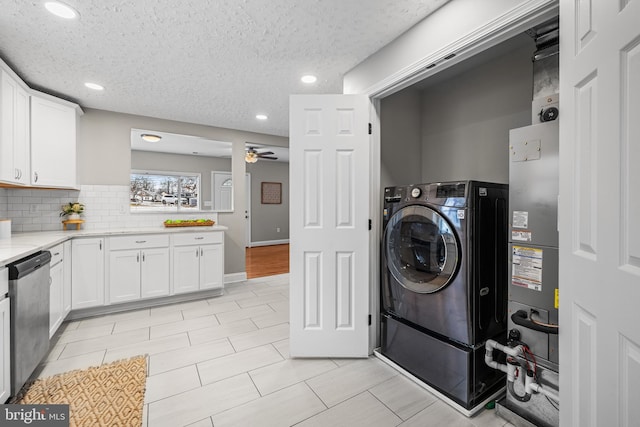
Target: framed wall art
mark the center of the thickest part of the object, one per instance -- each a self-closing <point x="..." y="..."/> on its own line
<point x="271" y="193"/>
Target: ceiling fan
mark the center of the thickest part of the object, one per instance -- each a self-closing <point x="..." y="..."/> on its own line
<point x="253" y="155"/>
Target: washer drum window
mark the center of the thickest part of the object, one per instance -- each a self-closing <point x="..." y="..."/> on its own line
<point x="421" y="249"/>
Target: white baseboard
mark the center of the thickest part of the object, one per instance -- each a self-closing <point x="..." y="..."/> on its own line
<point x="269" y="243"/>
<point x="235" y="277"/>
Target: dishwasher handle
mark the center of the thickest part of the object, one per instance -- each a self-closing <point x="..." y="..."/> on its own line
<point x="28" y="265"/>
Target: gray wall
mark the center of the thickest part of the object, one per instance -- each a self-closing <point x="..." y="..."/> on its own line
<point x="466" y="118"/>
<point x="400" y="138"/>
<point x="265" y="219"/>
<point x="149" y="160"/>
<point x="104" y="158"/>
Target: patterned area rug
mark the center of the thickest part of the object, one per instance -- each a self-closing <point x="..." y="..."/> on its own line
<point x="107" y="395"/>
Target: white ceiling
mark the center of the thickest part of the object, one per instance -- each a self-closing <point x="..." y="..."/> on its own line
<point x="215" y="63"/>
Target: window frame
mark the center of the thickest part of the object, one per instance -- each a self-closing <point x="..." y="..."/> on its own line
<point x="177" y="208"/>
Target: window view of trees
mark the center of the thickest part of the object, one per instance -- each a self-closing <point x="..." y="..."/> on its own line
<point x="160" y="191"/>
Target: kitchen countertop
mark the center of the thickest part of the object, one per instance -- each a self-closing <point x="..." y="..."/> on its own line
<point x="23" y="244"/>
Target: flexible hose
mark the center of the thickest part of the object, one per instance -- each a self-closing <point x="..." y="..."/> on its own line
<point x="519" y="398"/>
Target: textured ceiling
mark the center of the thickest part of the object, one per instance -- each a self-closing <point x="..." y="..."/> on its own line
<point x="215" y="62"/>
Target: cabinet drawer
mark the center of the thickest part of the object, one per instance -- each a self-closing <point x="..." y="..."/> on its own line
<point x="139" y="242"/>
<point x="197" y="238"/>
<point x="57" y="254"/>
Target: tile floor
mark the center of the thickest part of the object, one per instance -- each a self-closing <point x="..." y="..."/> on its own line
<point x="224" y="361"/>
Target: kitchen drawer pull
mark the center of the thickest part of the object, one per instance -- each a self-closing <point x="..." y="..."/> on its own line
<point x="199" y="238"/>
<point x="141" y="241"/>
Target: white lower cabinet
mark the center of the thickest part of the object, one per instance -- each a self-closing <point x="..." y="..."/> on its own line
<point x="5" y="339"/>
<point x="198" y="261"/>
<point x="56" y="289"/>
<point x="87" y="273"/>
<point x="138" y="267"/>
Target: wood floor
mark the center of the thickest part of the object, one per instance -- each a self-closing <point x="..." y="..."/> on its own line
<point x="267" y="260"/>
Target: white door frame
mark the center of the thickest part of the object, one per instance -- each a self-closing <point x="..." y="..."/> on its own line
<point x="247" y="211"/>
<point x="486" y="37"/>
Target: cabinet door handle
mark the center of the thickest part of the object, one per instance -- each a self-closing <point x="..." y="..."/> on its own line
<point x="35" y="177"/>
<point x="196" y="253"/>
<point x="17" y="174"/>
<point x="142" y="256"/>
<point x="199" y="238"/>
<point x="141" y="241"/>
<point x="201" y="252"/>
<point x="138" y="258"/>
<point x="100" y="244"/>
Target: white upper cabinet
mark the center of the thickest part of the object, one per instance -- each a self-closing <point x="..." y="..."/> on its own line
<point x="14" y="131"/>
<point x="53" y="144"/>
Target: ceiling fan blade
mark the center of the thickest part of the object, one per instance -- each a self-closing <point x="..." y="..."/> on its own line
<point x="266" y="153"/>
<point x="269" y="157"/>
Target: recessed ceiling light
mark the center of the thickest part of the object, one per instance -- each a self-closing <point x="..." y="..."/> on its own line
<point x="149" y="137"/>
<point x="261" y="116"/>
<point x="62" y="10"/>
<point x="94" y="86"/>
<point x="309" y="79"/>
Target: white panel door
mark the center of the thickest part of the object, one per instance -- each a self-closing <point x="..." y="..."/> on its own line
<point x="211" y="262"/>
<point x="599" y="212"/>
<point x="329" y="225"/>
<point x="124" y="276"/>
<point x="154" y="272"/>
<point x="186" y="269"/>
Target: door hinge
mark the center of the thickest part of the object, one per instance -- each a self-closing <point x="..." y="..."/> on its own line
<point x="370" y="131"/>
<point x="369" y="320"/>
<point x="369" y="224"/>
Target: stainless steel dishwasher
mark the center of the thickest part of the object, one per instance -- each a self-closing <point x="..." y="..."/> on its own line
<point x="29" y="296"/>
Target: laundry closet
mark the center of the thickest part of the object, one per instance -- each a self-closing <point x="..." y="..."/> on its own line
<point x="455" y="124"/>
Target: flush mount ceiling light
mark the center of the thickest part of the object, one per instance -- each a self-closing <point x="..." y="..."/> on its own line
<point x="309" y="79"/>
<point x="251" y="156"/>
<point x="261" y="116"/>
<point x="61" y="10"/>
<point x="149" y="137"/>
<point x="94" y="86"/>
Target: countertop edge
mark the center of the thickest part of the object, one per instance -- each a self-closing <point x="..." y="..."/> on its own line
<point x="20" y="245"/>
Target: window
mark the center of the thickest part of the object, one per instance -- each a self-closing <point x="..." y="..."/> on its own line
<point x="153" y="191"/>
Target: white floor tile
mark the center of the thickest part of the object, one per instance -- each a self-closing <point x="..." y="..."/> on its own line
<point x="210" y="309"/>
<point x="145" y="322"/>
<point x="281" y="306"/>
<point x="260" y="337"/>
<point x="84" y="333"/>
<point x="271" y="319"/>
<point x="283" y="408"/>
<point x="112" y="318"/>
<point x="72" y="363"/>
<point x="437" y="415"/>
<point x="234" y="364"/>
<point x="288" y="372"/>
<point x="363" y="410"/>
<point x="197" y="404"/>
<point x="488" y="418"/>
<point x="231" y="296"/>
<point x="282" y="347"/>
<point x="244" y="313"/>
<point x="183" y="326"/>
<point x="151" y="346"/>
<point x="169" y="360"/>
<point x="221" y="331"/>
<point x="171" y="383"/>
<point x="403" y="396"/>
<point x="182" y="306"/>
<point x="103" y="343"/>
<point x="259" y="300"/>
<point x="347" y="381"/>
<point x="202" y="423"/>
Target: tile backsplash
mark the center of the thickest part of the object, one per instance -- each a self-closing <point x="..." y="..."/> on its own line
<point x="106" y="207"/>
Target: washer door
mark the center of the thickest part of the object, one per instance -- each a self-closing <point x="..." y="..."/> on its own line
<point x="421" y="249"/>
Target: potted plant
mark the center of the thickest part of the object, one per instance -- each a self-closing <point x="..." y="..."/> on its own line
<point x="72" y="210"/>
